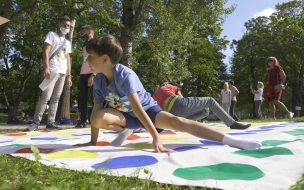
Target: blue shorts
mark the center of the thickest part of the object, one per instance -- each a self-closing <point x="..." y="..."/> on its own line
<point x="134" y="123"/>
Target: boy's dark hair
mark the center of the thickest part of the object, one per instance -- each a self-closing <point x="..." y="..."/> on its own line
<point x="88" y="27"/>
<point x="65" y="18"/>
<point x="106" y="44"/>
<point x="231" y="82"/>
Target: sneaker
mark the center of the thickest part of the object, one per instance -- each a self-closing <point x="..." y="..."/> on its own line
<point x="240" y="126"/>
<point x="289" y="115"/>
<point x="33" y="127"/>
<point x="80" y="125"/>
<point x="53" y="126"/>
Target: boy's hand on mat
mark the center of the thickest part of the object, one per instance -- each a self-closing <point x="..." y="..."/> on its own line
<point x="86" y="144"/>
<point x="158" y="147"/>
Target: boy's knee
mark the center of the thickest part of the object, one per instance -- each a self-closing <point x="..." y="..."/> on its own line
<point x="98" y="119"/>
<point x="178" y="123"/>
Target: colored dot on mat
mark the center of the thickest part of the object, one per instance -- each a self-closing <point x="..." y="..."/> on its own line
<point x="264" y="153"/>
<point x="28" y="136"/>
<point x="41" y="150"/>
<point x="133" y="137"/>
<point x="258" y="130"/>
<point x="173" y="138"/>
<point x="15" y="134"/>
<point x="276" y="142"/>
<point x="223" y="171"/>
<point x="167" y="133"/>
<point x="224" y="130"/>
<point x="65" y="133"/>
<point x="72" y="154"/>
<point x="210" y="142"/>
<point x="272" y="126"/>
<point x="240" y="133"/>
<point x="295" y="132"/>
<point x="110" y="132"/>
<point x="47" y="131"/>
<point x="139" y="146"/>
<point x="19" y="145"/>
<point x="102" y="143"/>
<point x="44" y="138"/>
<point x="126" y="162"/>
<point x="65" y="139"/>
<point x="85" y="134"/>
<point x="186" y="148"/>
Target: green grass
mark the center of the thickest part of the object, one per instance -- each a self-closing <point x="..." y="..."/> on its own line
<point x="3" y="118"/>
<point x="20" y="173"/>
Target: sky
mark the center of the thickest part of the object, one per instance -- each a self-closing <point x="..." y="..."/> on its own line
<point x="234" y="28"/>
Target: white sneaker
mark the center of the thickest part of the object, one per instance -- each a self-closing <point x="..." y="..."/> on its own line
<point x="289" y="115"/>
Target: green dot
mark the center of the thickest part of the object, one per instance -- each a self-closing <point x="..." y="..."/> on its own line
<point x="296" y="132"/>
<point x="265" y="152"/>
<point x="19" y="145"/>
<point x="276" y="142"/>
<point x="223" y="171"/>
<point x="139" y="146"/>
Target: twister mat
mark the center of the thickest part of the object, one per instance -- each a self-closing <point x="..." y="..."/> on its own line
<point x="196" y="162"/>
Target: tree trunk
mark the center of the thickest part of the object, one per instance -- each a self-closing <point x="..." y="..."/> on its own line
<point x="129" y="21"/>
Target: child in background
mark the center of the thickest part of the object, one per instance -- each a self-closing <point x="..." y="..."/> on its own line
<point x="225" y="99"/>
<point x="130" y="106"/>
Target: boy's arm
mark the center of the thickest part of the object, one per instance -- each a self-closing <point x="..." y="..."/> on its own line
<point x="146" y="121"/>
<point x="94" y="131"/>
<point x="180" y="94"/>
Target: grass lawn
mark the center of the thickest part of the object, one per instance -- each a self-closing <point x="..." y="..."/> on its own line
<point x="20" y="173"/>
<point x="3" y="118"/>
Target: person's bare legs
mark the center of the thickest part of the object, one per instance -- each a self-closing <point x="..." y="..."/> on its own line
<point x="281" y="106"/>
<point x="272" y="109"/>
<point x="111" y="119"/>
<point x="165" y="120"/>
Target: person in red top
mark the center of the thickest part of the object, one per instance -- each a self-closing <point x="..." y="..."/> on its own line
<point x="276" y="78"/>
<point x="169" y="98"/>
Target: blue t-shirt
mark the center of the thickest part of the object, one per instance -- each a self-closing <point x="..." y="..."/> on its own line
<point x="124" y="83"/>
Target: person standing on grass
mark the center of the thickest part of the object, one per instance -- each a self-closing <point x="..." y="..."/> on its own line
<point x="130" y="106"/>
<point x="273" y="91"/>
<point x="258" y="97"/>
<point x="234" y="93"/>
<point x="86" y="78"/>
<point x="225" y="99"/>
<point x="56" y="60"/>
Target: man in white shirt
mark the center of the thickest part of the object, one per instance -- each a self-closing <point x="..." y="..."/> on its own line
<point x="234" y="93"/>
<point x="56" y="60"/>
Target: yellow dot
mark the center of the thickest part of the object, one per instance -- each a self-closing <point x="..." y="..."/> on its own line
<point x="139" y="146"/>
<point x="173" y="138"/>
<point x="224" y="130"/>
<point x="72" y="154"/>
<point x="28" y="136"/>
<point x="65" y="133"/>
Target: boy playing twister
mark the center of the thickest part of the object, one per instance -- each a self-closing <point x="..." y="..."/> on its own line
<point x="129" y="106"/>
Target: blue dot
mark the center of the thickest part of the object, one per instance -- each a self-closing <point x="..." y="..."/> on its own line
<point x="44" y="138"/>
<point x="186" y="148"/>
<point x="272" y="126"/>
<point x="240" y="133"/>
<point x="258" y="130"/>
<point x="126" y="162"/>
<point x="85" y="134"/>
<point x="110" y="132"/>
<point x="210" y="142"/>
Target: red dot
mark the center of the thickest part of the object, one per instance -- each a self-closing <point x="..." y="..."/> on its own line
<point x="167" y="133"/>
<point x="41" y="150"/>
<point x="102" y="143"/>
<point x="15" y="134"/>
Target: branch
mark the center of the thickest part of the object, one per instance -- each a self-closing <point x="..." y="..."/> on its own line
<point x="24" y="9"/>
<point x="5" y="96"/>
<point x="138" y="13"/>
